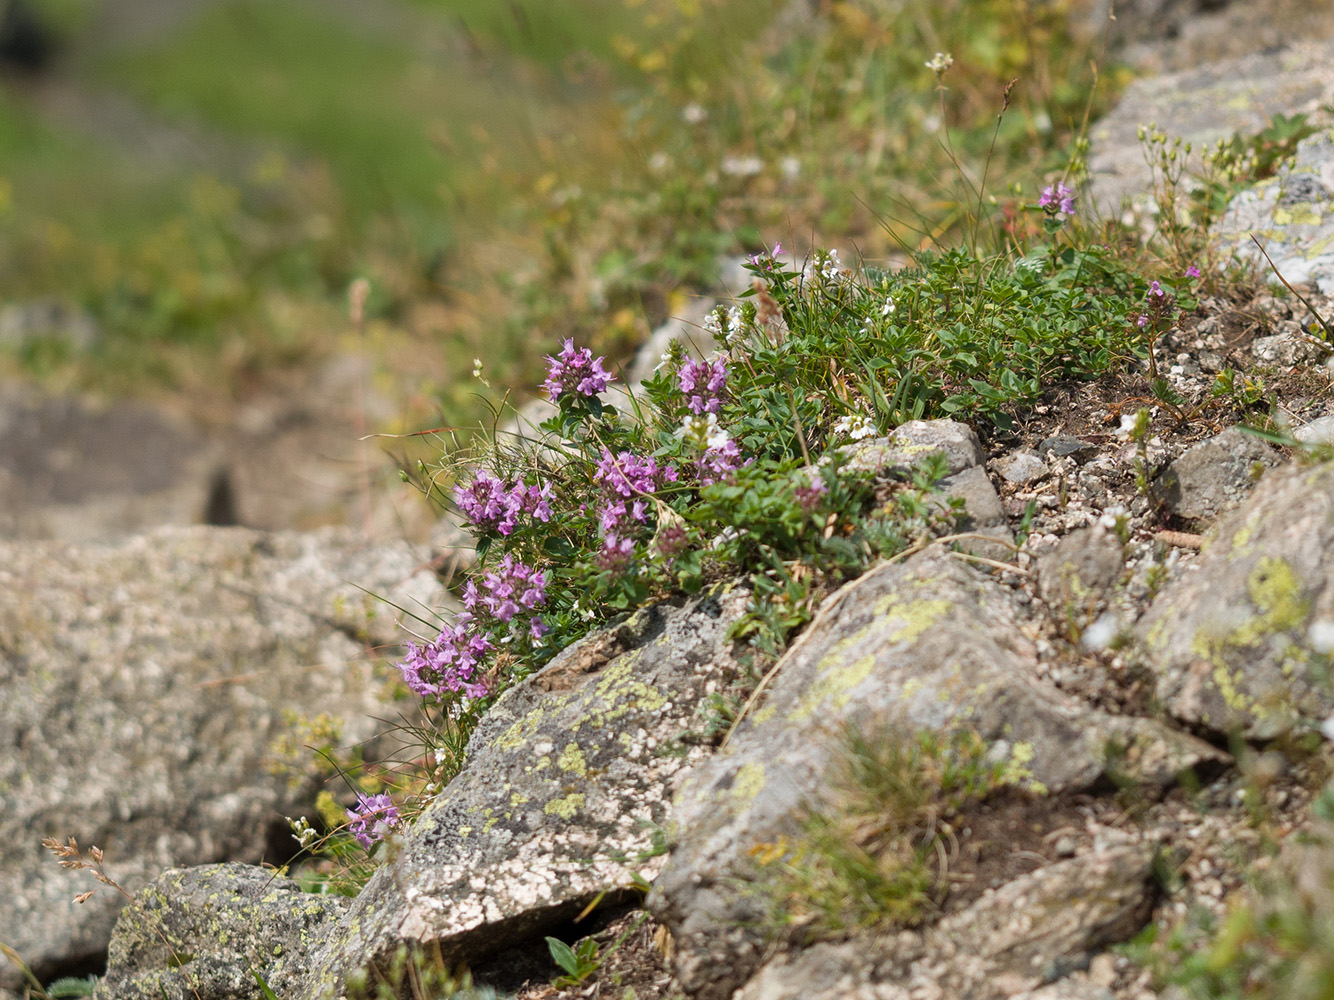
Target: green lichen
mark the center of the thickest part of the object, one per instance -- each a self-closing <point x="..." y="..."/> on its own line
<point x="565" y="807"/>
<point x="572" y="759"/>
<point x="836" y="679"/>
<point x="748" y="783"/>
<point x="1276" y="592"/>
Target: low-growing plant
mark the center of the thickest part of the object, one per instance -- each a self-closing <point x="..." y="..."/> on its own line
<point x="742" y="464"/>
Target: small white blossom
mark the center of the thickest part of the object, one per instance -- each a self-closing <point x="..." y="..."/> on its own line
<point x="940" y="62"/>
<point x="693" y="114"/>
<point x="1321" y="636"/>
<point x="888" y="308"/>
<point x="855" y="427"/>
<point x="700" y="430"/>
<point x="741" y="166"/>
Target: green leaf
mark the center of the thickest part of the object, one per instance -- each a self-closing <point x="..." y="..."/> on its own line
<point x="69" y="986"/>
<point x="563" y="955"/>
<point x="263" y="986"/>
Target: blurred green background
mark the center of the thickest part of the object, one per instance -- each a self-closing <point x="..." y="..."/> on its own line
<point x="201" y="180"/>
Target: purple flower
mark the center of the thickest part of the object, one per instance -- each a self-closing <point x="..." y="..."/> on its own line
<point x="509" y="590"/>
<point x="671" y="542"/>
<point x="493" y="505"/>
<point x="1192" y="272"/>
<point x="1141" y="320"/>
<point x="452" y="662"/>
<point x="616" y="554"/>
<point x="1058" y="198"/>
<point x="1156" y="290"/>
<point x="574" y="371"/>
<point x="810" y="496"/>
<point x="720" y="460"/>
<point x="704" y="384"/>
<point x="628" y="475"/>
<point x="372" y="818"/>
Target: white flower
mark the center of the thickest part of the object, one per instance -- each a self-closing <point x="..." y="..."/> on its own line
<point x="855" y="427"/>
<point x="693" y="114"/>
<point x="940" y="62"/>
<point x="700" y="431"/>
<point x="1321" y="637"/>
<point x="888" y="308"/>
<point x="741" y="166"/>
<point x="717" y="437"/>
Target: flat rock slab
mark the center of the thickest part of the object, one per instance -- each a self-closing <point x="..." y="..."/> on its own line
<point x="142" y="685"/>
<point x="1028" y="932"/>
<point x="76" y="471"/>
<point x="1202" y="106"/>
<point x="224" y="921"/>
<point x="930" y="644"/>
<point x="1292" y="215"/>
<point x="567" y="780"/>
<point x="1229" y="640"/>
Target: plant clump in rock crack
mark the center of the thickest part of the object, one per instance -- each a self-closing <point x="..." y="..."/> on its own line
<point x="881" y="856"/>
<point x="738" y="464"/>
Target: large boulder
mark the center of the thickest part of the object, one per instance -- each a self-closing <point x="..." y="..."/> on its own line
<point x="930" y="644"/>
<point x="204" y="934"/>
<point x="1202" y="105"/>
<point x="1229" y="642"/>
<point x="562" y="798"/>
<point x="143" y="685"/>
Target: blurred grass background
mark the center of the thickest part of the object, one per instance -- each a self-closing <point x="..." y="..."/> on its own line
<point x="205" y="178"/>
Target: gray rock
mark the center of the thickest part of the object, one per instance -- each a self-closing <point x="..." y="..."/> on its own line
<point x="927" y="644"/>
<point x="1286" y="349"/>
<point x="1029" y="931"/>
<point x="1291" y="214"/>
<point x="1214" y="476"/>
<point x="199" y="933"/>
<point x="76" y="471"/>
<point x="24" y="324"/>
<point x="1022" y="467"/>
<point x="1080" y="572"/>
<point x="1202" y="105"/>
<point x="1067" y="989"/>
<point x="567" y="779"/>
<point x="910" y="443"/>
<point x="983" y="513"/>
<point x="687" y="328"/>
<point x="1318" y="431"/>
<point x="144" y="684"/>
<point x="1228" y="642"/>
<point x="1063" y="446"/>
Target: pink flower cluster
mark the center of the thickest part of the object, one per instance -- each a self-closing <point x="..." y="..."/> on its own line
<point x="575" y="371"/>
<point x="719" y="461"/>
<point x="493" y="505"/>
<point x="372" y="818"/>
<point x="1058" y="198"/>
<point x="450" y="664"/>
<point x="505" y="592"/>
<point x="704" y="384"/>
<point x="810" y="497"/>
<point x="628" y="475"/>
